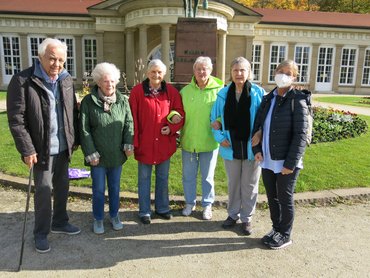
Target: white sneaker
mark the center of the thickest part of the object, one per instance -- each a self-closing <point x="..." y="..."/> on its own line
<point x="207" y="212"/>
<point x="188" y="209"/>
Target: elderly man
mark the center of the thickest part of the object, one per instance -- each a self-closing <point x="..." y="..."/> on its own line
<point x="42" y="114"/>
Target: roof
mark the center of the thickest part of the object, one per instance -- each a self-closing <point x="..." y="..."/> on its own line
<point x="314" y="18"/>
<point x="56" y="7"/>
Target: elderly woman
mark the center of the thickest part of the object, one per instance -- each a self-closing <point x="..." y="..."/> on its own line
<point x="155" y="137"/>
<point x="199" y="149"/>
<point x="106" y="140"/>
<point x="236" y="106"/>
<point x="284" y="132"/>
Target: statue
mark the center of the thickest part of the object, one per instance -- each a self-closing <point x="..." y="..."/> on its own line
<point x="190" y="9"/>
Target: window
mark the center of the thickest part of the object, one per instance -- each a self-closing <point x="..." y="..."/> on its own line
<point x="302" y="58"/>
<point x="156" y="53"/>
<point x="366" y="71"/>
<point x="11" y="56"/>
<point x="33" y="44"/>
<point x="257" y="61"/>
<point x="348" y="66"/>
<point x="278" y="54"/>
<point x="70" y="64"/>
<point x="89" y="55"/>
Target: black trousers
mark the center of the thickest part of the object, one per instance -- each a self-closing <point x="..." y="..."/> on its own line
<point x="56" y="181"/>
<point x="280" y="190"/>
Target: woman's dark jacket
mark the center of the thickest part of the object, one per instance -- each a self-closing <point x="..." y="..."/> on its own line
<point x="288" y="128"/>
<point x="29" y="115"/>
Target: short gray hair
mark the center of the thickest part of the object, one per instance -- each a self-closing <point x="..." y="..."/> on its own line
<point x="242" y="61"/>
<point x="105" y="69"/>
<point x="204" y="60"/>
<point x="53" y="42"/>
<point x="157" y="63"/>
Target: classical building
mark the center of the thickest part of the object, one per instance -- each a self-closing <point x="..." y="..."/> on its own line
<point x="331" y="49"/>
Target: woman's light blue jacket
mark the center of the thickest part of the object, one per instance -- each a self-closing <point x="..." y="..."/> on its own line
<point x="217" y="113"/>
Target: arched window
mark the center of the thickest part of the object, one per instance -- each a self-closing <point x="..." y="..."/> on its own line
<point x="156" y="53"/>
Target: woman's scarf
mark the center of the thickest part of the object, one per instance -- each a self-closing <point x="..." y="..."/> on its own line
<point x="107" y="100"/>
<point x="153" y="92"/>
<point x="237" y="114"/>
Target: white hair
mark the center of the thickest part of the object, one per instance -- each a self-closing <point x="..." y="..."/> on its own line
<point x="246" y="63"/>
<point x="203" y="60"/>
<point x="157" y="63"/>
<point x="52" y="42"/>
<point x="105" y="69"/>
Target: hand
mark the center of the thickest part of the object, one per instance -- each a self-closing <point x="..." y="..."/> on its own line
<point x="75" y="148"/>
<point x="258" y="157"/>
<point x="286" y="171"/>
<point x="165" y="130"/>
<point x="256" y="139"/>
<point x="128" y="153"/>
<point x="94" y="162"/>
<point x="176" y="119"/>
<point x="225" y="143"/>
<point x="30" y="160"/>
<point x="216" y="125"/>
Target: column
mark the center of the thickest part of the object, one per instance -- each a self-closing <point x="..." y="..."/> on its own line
<point x="249" y="47"/>
<point x="266" y="64"/>
<point x="221" y="55"/>
<point x="336" y="73"/>
<point x="100" y="46"/>
<point x="23" y="44"/>
<point x="79" y="59"/>
<point x="165" y="50"/>
<point x="291" y="50"/>
<point x="313" y="68"/>
<point x="143" y="44"/>
<point x="130" y="56"/>
<point x="360" y="68"/>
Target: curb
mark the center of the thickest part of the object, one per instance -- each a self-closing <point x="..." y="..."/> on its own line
<point x="324" y="197"/>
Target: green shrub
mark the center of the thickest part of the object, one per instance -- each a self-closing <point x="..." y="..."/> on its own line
<point x="331" y="125"/>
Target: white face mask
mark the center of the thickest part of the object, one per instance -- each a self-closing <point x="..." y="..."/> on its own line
<point x="283" y="80"/>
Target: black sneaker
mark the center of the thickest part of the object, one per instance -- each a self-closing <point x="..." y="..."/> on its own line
<point x="279" y="241"/>
<point x="42" y="245"/>
<point x="229" y="222"/>
<point x="145" y="220"/>
<point x="268" y="237"/>
<point x="247" y="228"/>
<point x="68" y="229"/>
<point x="165" y="215"/>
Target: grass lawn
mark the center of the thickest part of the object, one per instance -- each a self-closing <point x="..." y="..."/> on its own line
<point x="2" y="95"/>
<point x="341" y="164"/>
<point x="345" y="100"/>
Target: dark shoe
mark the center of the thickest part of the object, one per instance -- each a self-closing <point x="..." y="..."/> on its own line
<point x="42" y="245"/>
<point x="229" y="222"/>
<point x="268" y="237"/>
<point x="68" y="229"/>
<point x="279" y="241"/>
<point x="145" y="219"/>
<point x="247" y="228"/>
<point x="165" y="215"/>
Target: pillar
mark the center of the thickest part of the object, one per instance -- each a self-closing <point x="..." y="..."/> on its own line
<point x="221" y="55"/>
<point x="165" y="50"/>
<point x="130" y="57"/>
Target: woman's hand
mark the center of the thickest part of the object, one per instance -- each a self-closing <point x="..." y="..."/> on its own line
<point x="258" y="157"/>
<point x="286" y="171"/>
<point x="225" y="143"/>
<point x="216" y="125"/>
<point x="176" y="119"/>
<point x="94" y="162"/>
<point x="257" y="137"/>
<point x="165" y="130"/>
<point x="128" y="153"/>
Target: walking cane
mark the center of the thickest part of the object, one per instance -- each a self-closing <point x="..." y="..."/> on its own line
<point x="25" y="216"/>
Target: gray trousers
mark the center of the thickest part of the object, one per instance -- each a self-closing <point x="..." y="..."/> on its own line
<point x="243" y="177"/>
<point x="55" y="180"/>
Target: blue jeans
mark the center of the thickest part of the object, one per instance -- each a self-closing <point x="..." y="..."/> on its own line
<point x="161" y="187"/>
<point x="206" y="161"/>
<point x="98" y="175"/>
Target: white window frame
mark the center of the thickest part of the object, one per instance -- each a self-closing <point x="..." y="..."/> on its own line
<point x="257" y="77"/>
<point x="94" y="60"/>
<point x="31" y="56"/>
<point x="303" y="79"/>
<point x="70" y="64"/>
<point x="347" y="66"/>
<point x="8" y="76"/>
<point x="272" y="63"/>
<point x="366" y="68"/>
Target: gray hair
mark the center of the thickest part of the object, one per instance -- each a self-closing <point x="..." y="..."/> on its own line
<point x="157" y="63"/>
<point x="105" y="69"/>
<point x="242" y="61"/>
<point x="288" y="64"/>
<point x="53" y="42"/>
<point x="204" y="61"/>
